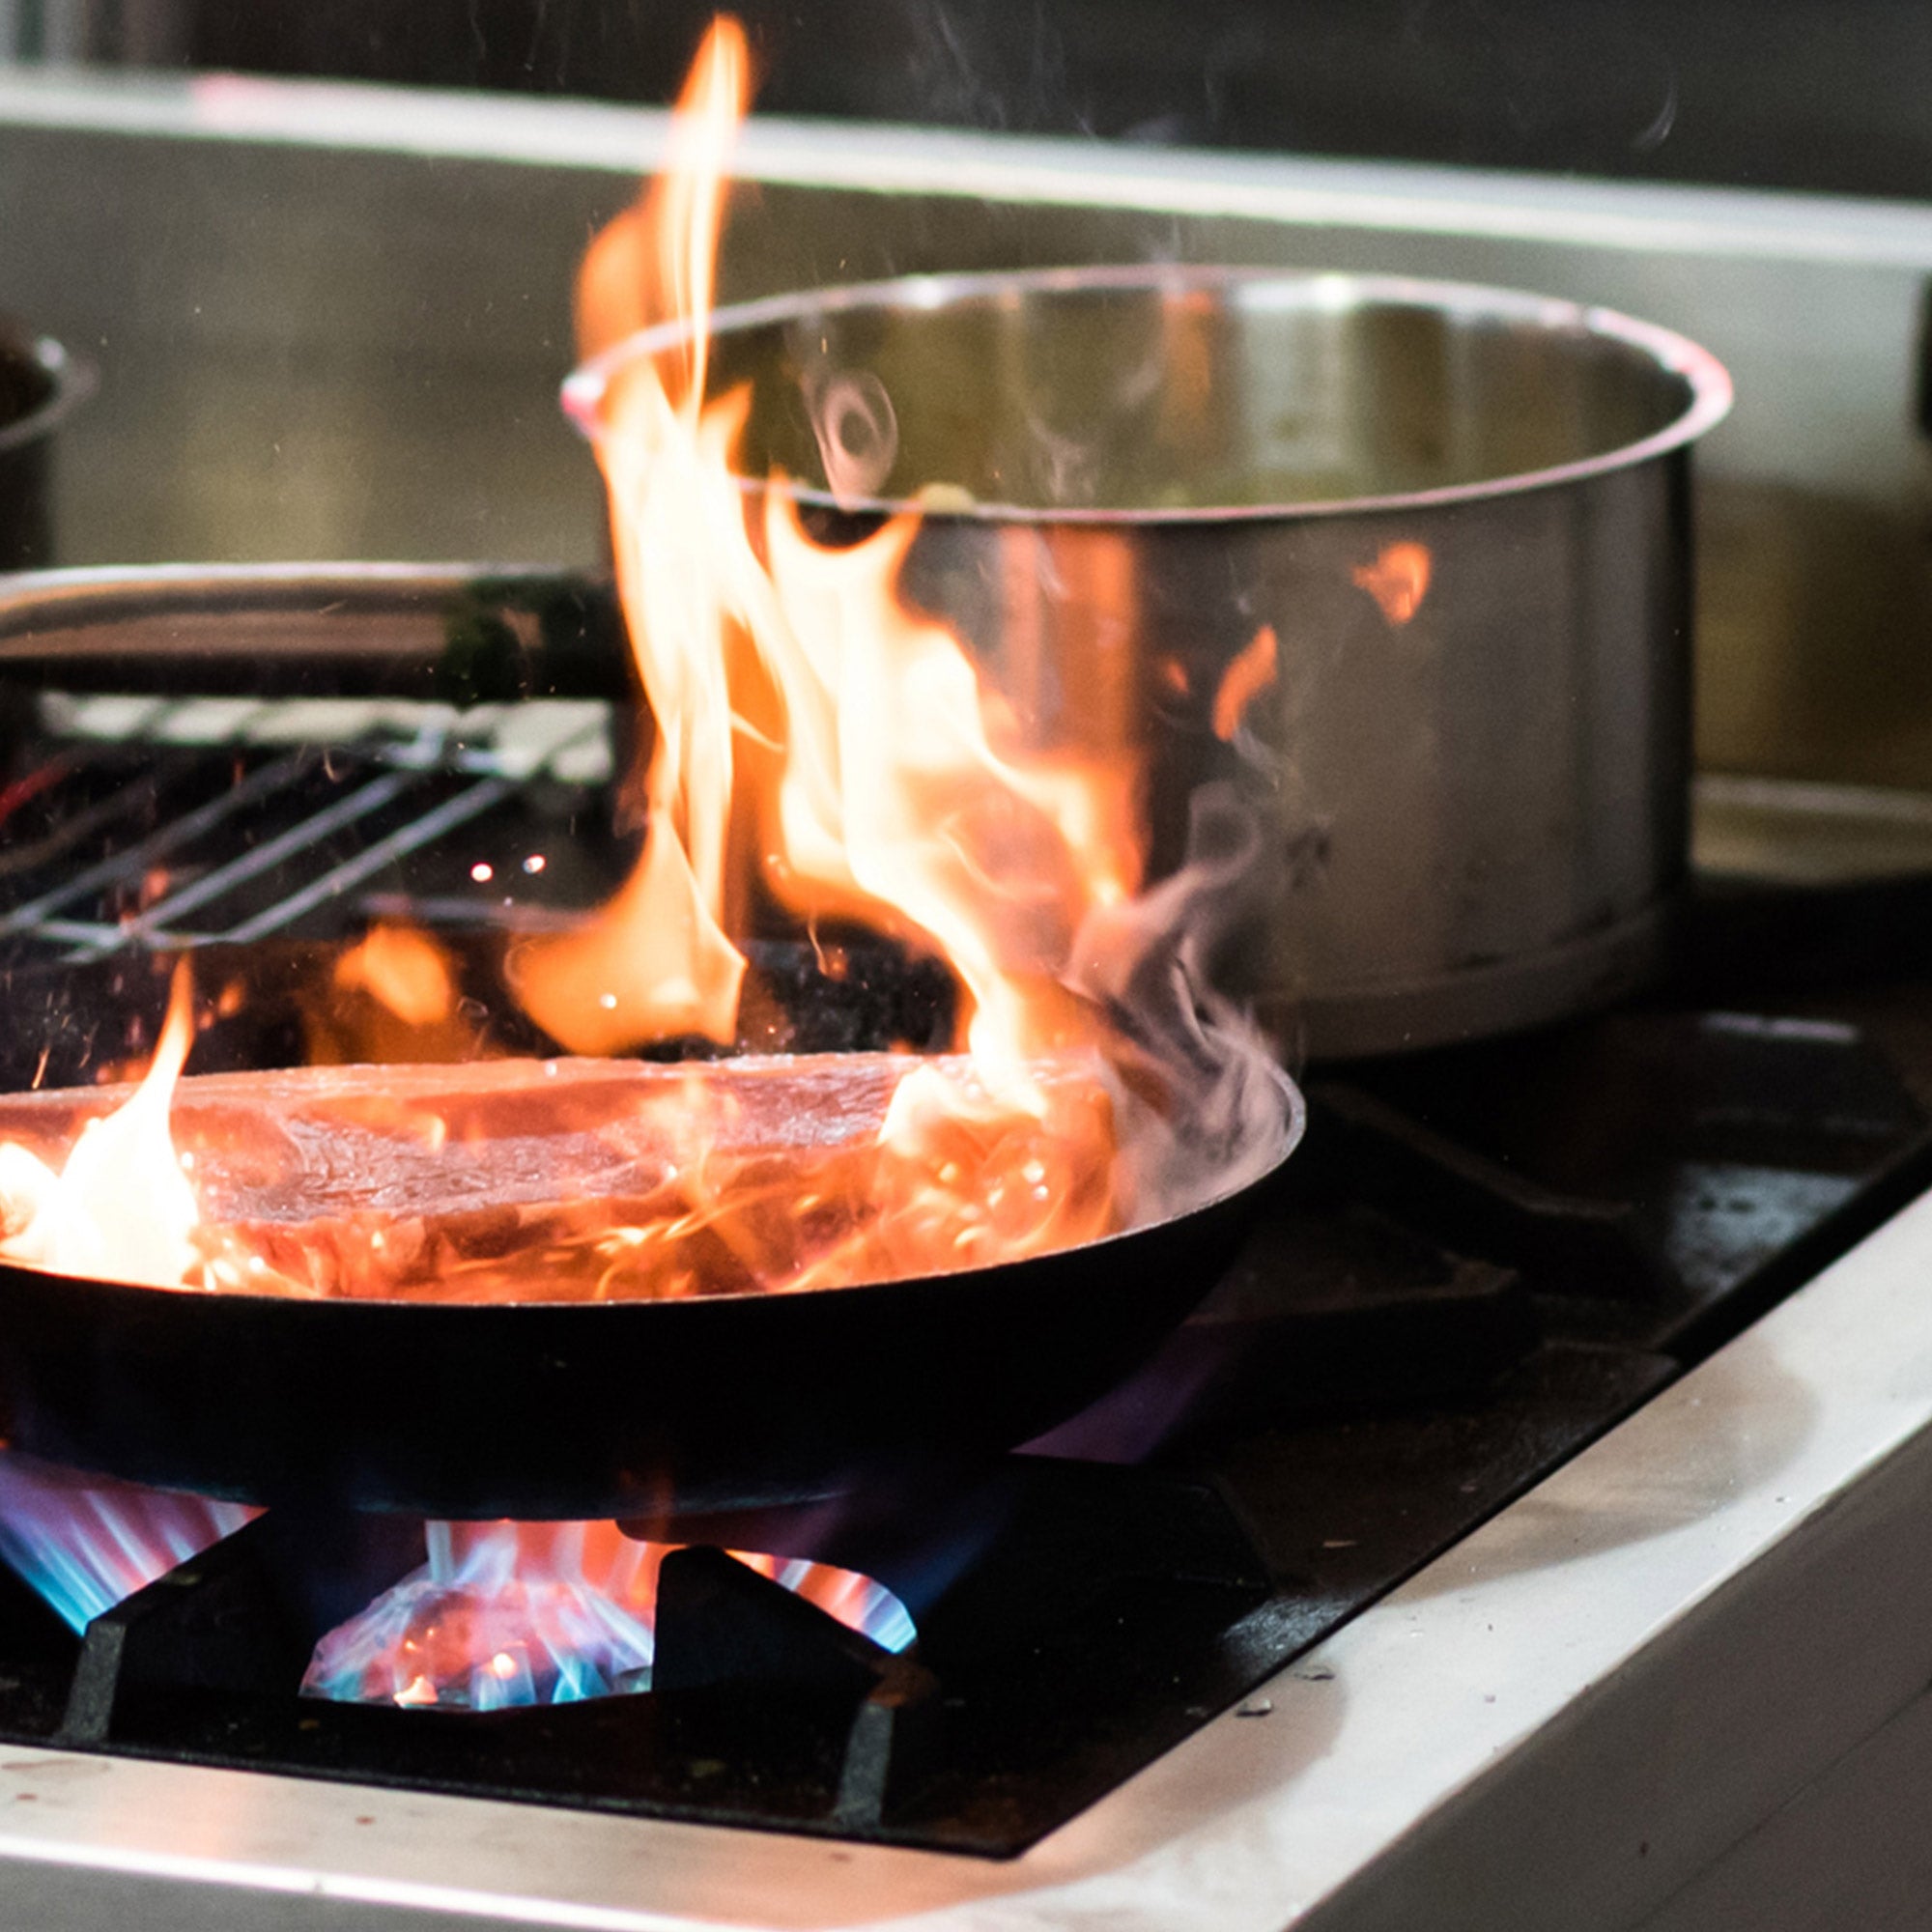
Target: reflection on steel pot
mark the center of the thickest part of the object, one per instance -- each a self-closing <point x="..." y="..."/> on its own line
<point x="1462" y="514"/>
<point x="39" y="383"/>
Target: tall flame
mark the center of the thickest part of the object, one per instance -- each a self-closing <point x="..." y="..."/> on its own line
<point x="656" y="962"/>
<point x="866" y="776"/>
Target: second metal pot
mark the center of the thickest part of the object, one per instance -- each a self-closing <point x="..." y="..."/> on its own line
<point x="1461" y="515"/>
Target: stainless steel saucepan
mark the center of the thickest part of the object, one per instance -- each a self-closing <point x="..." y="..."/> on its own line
<point x="1463" y="515"/>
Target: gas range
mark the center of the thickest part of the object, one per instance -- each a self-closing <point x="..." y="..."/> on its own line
<point x="1193" y="1692"/>
<point x="1492" y="1275"/>
<point x="1661" y="1664"/>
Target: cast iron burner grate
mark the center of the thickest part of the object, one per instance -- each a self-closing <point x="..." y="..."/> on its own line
<point x="1482" y="1258"/>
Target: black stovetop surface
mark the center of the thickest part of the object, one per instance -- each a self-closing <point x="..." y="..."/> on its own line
<point x="1483" y="1259"/>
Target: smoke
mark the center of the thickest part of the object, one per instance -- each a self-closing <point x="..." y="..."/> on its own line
<point x="1204" y="1107"/>
<point x="1201" y="1103"/>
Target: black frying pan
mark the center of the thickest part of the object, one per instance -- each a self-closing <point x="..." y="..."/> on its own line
<point x="641" y="1409"/>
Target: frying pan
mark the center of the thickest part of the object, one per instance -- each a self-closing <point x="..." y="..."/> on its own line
<point x="647" y="1411"/>
<point x="644" y="1409"/>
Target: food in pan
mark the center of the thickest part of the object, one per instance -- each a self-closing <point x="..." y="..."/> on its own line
<point x="583" y="1180"/>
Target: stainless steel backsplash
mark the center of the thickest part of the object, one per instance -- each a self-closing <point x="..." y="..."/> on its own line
<point x="331" y="321"/>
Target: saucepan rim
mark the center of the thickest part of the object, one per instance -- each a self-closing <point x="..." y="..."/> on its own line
<point x="1708" y="381"/>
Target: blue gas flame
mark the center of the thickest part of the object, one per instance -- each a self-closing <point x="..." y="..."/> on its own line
<point x="506" y="1615"/>
<point x="85" y="1542"/>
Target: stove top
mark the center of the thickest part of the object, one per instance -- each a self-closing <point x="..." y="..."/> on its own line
<point x="1420" y="1329"/>
<point x="1483" y="1259"/>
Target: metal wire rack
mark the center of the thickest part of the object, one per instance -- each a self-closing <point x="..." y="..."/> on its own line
<point x="146" y="822"/>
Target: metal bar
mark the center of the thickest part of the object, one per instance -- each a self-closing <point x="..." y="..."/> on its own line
<point x="138" y="858"/>
<point x="93" y="937"/>
<point x="318" y="826"/>
<point x="449" y="910"/>
<point x="431" y="826"/>
<point x="33" y="855"/>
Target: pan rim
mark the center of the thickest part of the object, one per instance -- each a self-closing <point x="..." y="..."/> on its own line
<point x="1293" y="1128"/>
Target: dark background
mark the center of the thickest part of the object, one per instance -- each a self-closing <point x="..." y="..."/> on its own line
<point x="1784" y="93"/>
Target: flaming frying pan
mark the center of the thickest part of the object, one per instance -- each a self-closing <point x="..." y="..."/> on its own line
<point x="881" y="794"/>
<point x="564" y="1411"/>
<point x="571" y="1410"/>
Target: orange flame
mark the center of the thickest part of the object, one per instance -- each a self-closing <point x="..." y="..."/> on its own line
<point x="870" y="776"/>
<point x="121" y="1209"/>
<point x="656" y="964"/>
<point x="1248" y="674"/>
<point x="403" y="969"/>
<point x="1397" y="579"/>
